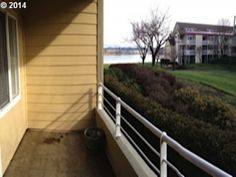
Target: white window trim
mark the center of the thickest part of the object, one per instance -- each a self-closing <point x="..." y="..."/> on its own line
<point x="12" y="101"/>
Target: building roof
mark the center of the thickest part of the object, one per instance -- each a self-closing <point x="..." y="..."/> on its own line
<point x="203" y="27"/>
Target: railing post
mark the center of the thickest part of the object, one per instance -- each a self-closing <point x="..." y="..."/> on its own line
<point x="163" y="156"/>
<point x="118" y="114"/>
<point x="100" y="96"/>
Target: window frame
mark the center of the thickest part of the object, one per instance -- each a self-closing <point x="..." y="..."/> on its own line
<point x="12" y="100"/>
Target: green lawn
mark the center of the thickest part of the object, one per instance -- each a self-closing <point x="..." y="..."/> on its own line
<point x="221" y="77"/>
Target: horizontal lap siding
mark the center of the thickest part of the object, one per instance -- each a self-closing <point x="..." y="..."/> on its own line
<point x="60" y="99"/>
<point x="62" y="61"/>
<point x="61" y="90"/>
<point x="62" y="40"/>
<point x="62" y="51"/>
<point x="76" y="70"/>
<point x="61" y="54"/>
<point x="14" y="123"/>
<point x="72" y="29"/>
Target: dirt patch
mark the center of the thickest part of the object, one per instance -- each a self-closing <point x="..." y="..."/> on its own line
<point x="52" y="140"/>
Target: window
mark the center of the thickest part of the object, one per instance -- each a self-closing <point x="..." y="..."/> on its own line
<point x="4" y="92"/>
<point x="210" y="30"/>
<point x="205" y="38"/>
<point x="13" y="56"/>
<point x="190" y="29"/>
<point x="9" y="64"/>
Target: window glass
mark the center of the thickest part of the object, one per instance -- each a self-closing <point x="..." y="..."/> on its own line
<point x="13" y="56"/>
<point x="4" y="82"/>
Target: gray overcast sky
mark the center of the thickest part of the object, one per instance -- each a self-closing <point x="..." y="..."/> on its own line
<point x="119" y="13"/>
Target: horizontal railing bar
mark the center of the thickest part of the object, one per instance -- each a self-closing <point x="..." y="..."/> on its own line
<point x="196" y="160"/>
<point x="109" y="113"/>
<point x="109" y="104"/>
<point x="144" y="121"/>
<point x="140" y="151"/>
<point x="140" y="136"/>
<point x="190" y="156"/>
<point x="109" y="92"/>
<point x="173" y="168"/>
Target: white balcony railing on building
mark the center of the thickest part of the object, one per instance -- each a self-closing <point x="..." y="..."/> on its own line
<point x="190" y="42"/>
<point x="165" y="140"/>
<point x="189" y="52"/>
<point x="209" y="42"/>
<point x="181" y="42"/>
<point x="207" y="52"/>
<point x="232" y="42"/>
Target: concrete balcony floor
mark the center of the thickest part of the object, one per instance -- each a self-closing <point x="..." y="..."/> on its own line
<point x="44" y="154"/>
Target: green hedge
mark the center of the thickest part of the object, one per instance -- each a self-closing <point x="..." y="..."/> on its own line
<point x="207" y="108"/>
<point x="216" y="145"/>
<point x="172" y="94"/>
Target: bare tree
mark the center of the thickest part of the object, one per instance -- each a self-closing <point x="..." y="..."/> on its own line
<point x="171" y="49"/>
<point x="157" y="32"/>
<point x="224" y="32"/>
<point x="139" y="36"/>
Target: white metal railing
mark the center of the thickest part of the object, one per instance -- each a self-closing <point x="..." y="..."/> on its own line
<point x="165" y="140"/>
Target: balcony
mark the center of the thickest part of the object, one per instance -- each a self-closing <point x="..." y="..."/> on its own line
<point x="187" y="42"/>
<point x="189" y="52"/>
<point x="232" y="42"/>
<point x="190" y="42"/>
<point x="44" y="154"/>
<point x="209" y="42"/>
<point x="181" y="42"/>
<point x="208" y="52"/>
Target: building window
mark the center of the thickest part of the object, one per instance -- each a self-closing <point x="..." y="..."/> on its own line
<point x="14" y="65"/>
<point x="9" y="62"/>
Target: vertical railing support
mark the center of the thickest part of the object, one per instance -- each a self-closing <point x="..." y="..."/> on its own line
<point x="100" y="96"/>
<point x="118" y="114"/>
<point x="163" y="156"/>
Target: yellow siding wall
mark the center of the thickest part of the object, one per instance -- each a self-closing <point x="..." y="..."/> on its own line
<point x="14" y="123"/>
<point x="61" y="54"/>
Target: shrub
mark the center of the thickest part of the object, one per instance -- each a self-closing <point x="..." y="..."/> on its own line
<point x="189" y="101"/>
<point x="121" y="76"/>
<point x="215" y="145"/>
<point x="171" y="94"/>
<point x="157" y="87"/>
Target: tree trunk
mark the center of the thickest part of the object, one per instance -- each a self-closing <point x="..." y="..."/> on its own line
<point x="173" y="66"/>
<point x="183" y="62"/>
<point x="153" y="60"/>
<point x="143" y="59"/>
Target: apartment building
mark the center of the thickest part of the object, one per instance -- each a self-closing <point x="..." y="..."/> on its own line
<point x="201" y="43"/>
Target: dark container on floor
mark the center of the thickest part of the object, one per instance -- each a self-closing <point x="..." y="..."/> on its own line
<point x="95" y="139"/>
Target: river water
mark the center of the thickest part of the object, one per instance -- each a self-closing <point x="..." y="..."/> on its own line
<point x="113" y="59"/>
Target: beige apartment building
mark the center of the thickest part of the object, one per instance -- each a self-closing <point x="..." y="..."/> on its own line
<point x="200" y="43"/>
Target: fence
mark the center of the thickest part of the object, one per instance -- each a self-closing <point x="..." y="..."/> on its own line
<point x="165" y="140"/>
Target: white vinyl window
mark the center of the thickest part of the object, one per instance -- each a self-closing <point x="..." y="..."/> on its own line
<point x="9" y="62"/>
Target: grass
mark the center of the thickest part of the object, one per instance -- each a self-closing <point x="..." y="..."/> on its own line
<point x="220" y="77"/>
<point x="211" y="79"/>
